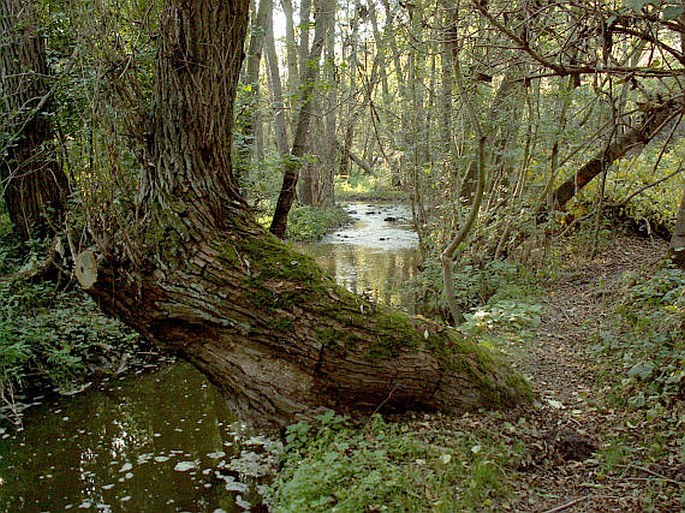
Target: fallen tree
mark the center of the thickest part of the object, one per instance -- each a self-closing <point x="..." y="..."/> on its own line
<point x="655" y="117"/>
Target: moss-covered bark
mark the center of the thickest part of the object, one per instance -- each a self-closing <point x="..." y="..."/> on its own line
<point x="283" y="340"/>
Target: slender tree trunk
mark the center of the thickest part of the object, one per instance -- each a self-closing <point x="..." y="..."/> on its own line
<point x="33" y="184"/>
<point x="324" y="187"/>
<point x="294" y="164"/>
<point x="290" y="46"/>
<point x="278" y="106"/>
<point x="251" y="80"/>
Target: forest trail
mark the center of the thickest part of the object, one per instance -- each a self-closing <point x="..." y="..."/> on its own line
<point x="575" y="310"/>
<point x="575" y="419"/>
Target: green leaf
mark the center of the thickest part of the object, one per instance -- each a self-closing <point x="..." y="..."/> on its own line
<point x="636" y="5"/>
<point x="642" y="370"/>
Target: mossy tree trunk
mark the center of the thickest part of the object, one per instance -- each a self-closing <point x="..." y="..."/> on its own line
<point x="267" y="326"/>
<point x="33" y="184"/>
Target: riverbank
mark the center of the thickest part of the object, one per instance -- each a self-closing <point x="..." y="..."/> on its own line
<point x="53" y="338"/>
<point x="605" y="435"/>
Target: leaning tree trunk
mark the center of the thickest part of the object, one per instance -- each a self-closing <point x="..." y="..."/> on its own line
<point x="294" y="164"/>
<point x="267" y="326"/>
<point x="654" y="120"/>
<point x="33" y="184"/>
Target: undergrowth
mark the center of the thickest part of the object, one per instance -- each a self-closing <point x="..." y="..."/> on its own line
<point x="306" y="223"/>
<point x="335" y="467"/>
<point x="646" y="339"/>
<point x="496" y="296"/>
<point x="310" y="224"/>
<point x="52" y="337"/>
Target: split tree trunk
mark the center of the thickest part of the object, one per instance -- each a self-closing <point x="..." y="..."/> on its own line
<point x="267" y="326"/>
<point x="33" y="184"/>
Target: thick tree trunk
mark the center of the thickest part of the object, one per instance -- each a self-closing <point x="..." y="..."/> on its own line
<point x="653" y="122"/>
<point x="268" y="327"/>
<point x="33" y="184"/>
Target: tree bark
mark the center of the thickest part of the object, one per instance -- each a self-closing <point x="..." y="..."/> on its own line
<point x="654" y="120"/>
<point x="293" y="165"/>
<point x="263" y="322"/>
<point x="33" y="184"/>
<point x="677" y="246"/>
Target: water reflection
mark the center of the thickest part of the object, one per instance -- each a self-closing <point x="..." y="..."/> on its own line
<point x="376" y="255"/>
<point x="158" y="442"/>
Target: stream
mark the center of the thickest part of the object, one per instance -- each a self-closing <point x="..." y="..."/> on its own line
<point x="166" y="440"/>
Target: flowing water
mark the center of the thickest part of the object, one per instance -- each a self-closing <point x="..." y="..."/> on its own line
<point x="373" y="256"/>
<point x="166" y="441"/>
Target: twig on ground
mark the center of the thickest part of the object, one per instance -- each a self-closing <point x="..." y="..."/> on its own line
<point x="567" y="505"/>
<point x="655" y="474"/>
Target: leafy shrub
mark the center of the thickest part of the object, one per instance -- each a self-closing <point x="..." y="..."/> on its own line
<point x="474" y="285"/>
<point x="310" y="224"/>
<point x="647" y="338"/>
<point x="385" y="467"/>
<point x="507" y="315"/>
<point x="56" y="336"/>
<point x="49" y="335"/>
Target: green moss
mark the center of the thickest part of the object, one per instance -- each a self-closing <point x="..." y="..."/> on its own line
<point x="395" y="332"/>
<point x="341" y="339"/>
<point x="266" y="258"/>
<point x="282" y="324"/>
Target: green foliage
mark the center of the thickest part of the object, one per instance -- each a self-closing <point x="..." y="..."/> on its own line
<point x="47" y="334"/>
<point x="647" y="338"/>
<point x="387" y="467"/>
<point x="613" y="454"/>
<point x="475" y="286"/>
<point x="507" y="315"/>
<point x="310" y="224"/>
<point x="657" y="204"/>
<point x="365" y="187"/>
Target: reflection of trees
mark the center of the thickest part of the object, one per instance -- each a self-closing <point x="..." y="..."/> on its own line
<point x="85" y="442"/>
<point x="380" y="273"/>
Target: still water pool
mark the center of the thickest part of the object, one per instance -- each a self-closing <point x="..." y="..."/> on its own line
<point x="156" y="442"/>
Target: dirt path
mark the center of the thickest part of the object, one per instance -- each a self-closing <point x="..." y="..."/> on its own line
<point x="575" y="420"/>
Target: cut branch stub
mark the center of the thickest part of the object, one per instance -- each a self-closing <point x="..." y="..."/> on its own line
<point x="86" y="269"/>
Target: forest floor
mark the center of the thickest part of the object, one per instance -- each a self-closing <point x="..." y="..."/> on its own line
<point x="585" y="450"/>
